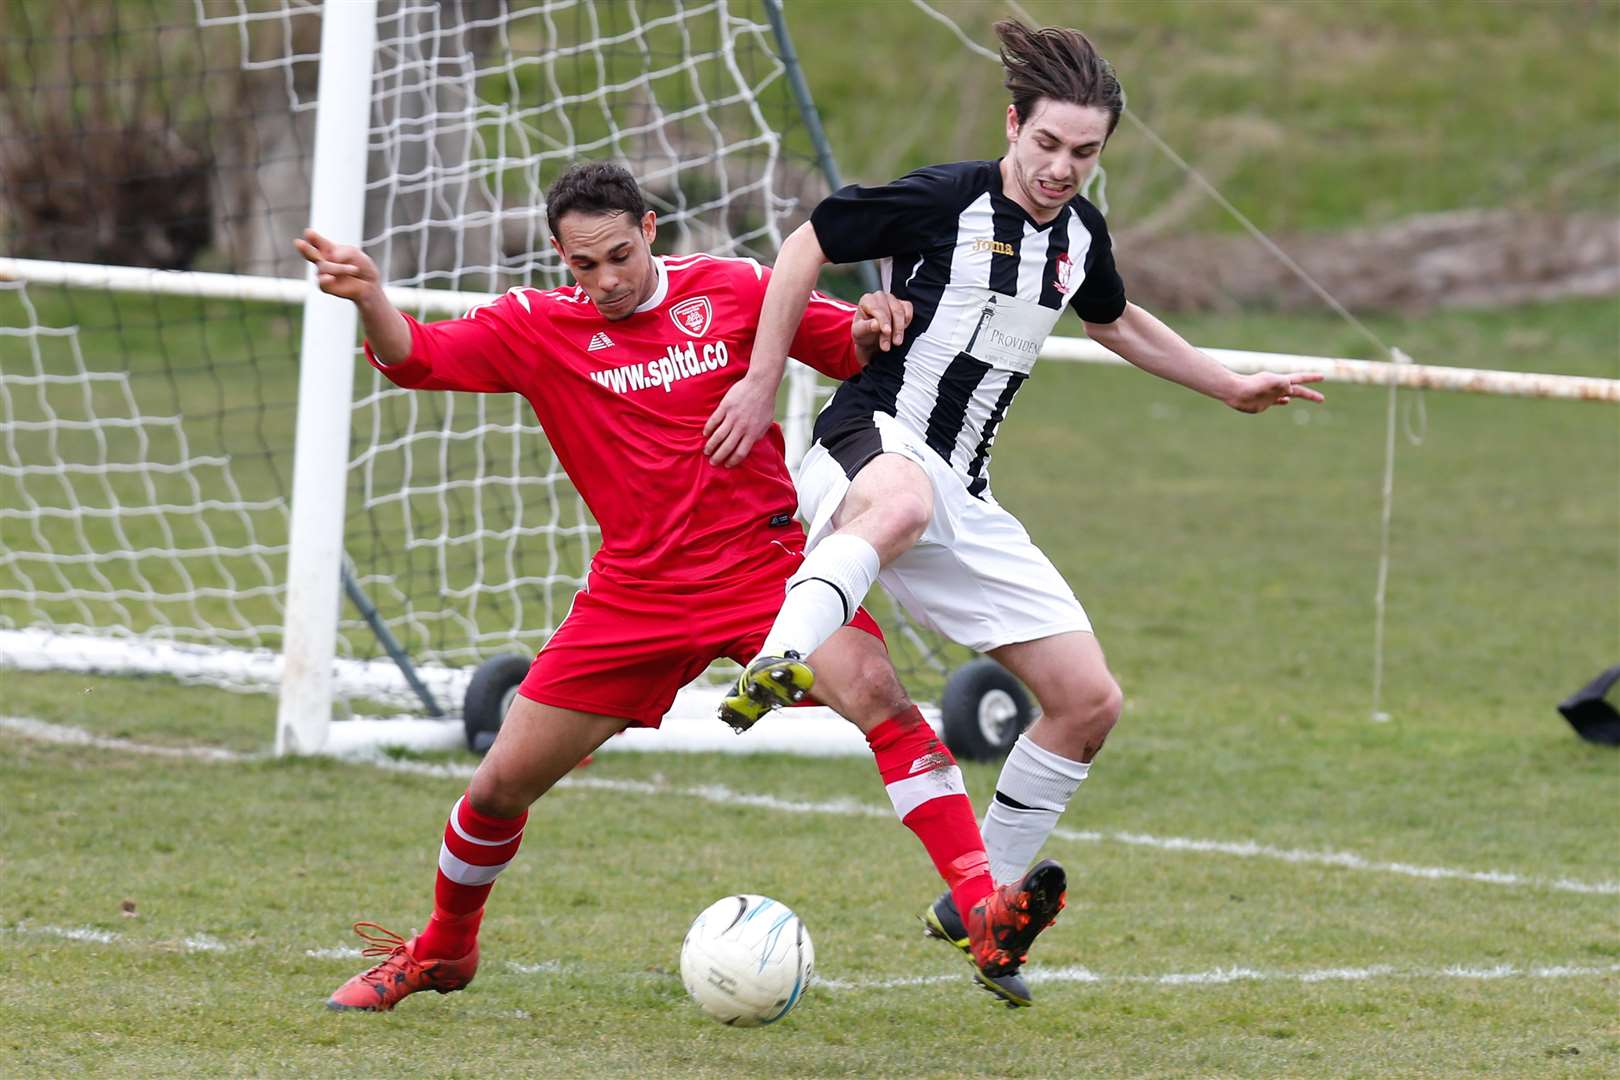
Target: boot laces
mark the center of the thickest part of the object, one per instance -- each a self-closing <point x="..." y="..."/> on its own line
<point x="380" y="941"/>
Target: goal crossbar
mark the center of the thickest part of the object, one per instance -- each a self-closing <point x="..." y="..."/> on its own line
<point x="1061" y="349"/>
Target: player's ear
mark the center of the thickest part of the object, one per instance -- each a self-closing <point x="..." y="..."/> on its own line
<point x="1012" y="123"/>
<point x="649" y="226"/>
<point x="558" y="248"/>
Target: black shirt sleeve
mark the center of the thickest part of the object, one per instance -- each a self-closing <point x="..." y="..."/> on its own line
<point x="913" y="213"/>
<point x="1101" y="296"/>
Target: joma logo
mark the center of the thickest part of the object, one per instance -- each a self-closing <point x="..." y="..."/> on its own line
<point x="995" y="247"/>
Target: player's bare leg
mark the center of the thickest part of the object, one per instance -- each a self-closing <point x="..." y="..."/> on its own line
<point x="536" y="746"/>
<point x="888" y="504"/>
<point x="925" y="787"/>
<point x="1080" y="702"/>
<point x="883" y="513"/>
<point x="858" y="681"/>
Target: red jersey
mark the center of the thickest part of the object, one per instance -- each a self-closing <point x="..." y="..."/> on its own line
<point x="624" y="403"/>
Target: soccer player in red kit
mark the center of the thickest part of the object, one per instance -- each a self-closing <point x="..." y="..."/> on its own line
<point x="623" y="370"/>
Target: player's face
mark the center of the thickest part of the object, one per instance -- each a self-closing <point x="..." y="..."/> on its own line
<point x="1051" y="154"/>
<point x="610" y="256"/>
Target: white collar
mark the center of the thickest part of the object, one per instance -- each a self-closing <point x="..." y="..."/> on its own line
<point x="660" y="291"/>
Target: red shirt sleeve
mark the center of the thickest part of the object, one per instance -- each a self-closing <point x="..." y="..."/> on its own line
<point x="480" y="352"/>
<point x="822" y="340"/>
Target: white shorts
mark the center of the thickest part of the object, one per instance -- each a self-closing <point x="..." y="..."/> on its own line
<point x="975" y="575"/>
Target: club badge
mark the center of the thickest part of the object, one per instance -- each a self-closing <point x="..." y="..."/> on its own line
<point x="693" y="315"/>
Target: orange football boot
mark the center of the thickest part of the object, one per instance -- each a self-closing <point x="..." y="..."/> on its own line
<point x="1002" y="926"/>
<point x="400" y="973"/>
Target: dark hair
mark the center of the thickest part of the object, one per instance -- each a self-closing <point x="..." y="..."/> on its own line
<point x="1059" y="64"/>
<point x="594" y="187"/>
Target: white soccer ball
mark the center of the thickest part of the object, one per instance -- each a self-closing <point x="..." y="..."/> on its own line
<point x="747" y="960"/>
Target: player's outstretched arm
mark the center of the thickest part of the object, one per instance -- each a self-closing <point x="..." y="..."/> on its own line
<point x="1152" y="346"/>
<point x="344" y="271"/>
<point x="748" y="408"/>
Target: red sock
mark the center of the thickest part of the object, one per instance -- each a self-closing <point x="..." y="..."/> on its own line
<point x="476" y="848"/>
<point x="926" y="789"/>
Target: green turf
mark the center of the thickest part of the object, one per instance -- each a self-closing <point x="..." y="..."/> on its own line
<point x="1308" y="115"/>
<point x="1229" y="563"/>
<point x="595" y="906"/>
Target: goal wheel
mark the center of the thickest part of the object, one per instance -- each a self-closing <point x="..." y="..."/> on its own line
<point x="984" y="710"/>
<point x="494" y="684"/>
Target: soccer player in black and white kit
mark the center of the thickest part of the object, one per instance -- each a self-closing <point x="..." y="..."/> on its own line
<point x="897" y="485"/>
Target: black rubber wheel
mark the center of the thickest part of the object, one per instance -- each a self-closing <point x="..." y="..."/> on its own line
<point x="489" y="694"/>
<point x="984" y="710"/>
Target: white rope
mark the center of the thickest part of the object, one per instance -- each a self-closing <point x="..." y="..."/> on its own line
<point x="440" y="302"/>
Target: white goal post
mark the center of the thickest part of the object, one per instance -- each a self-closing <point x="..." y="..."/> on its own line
<point x="186" y="467"/>
<point x="325" y="386"/>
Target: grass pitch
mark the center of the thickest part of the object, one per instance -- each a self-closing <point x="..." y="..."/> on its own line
<point x="1266" y="881"/>
<point x="244" y="875"/>
<point x="1338" y="917"/>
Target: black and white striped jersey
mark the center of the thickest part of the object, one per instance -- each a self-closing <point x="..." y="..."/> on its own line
<point x="987" y="285"/>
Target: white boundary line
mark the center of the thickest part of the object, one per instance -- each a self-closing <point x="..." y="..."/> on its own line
<point x="202" y="943"/>
<point x="1226" y="976"/>
<point x="721" y="795"/>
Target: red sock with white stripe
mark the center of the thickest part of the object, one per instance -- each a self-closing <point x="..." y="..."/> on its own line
<point x="926" y="789"/>
<point x="475" y="850"/>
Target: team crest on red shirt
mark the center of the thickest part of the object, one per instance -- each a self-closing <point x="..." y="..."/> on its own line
<point x="693" y="315"/>
<point x="1064" y="265"/>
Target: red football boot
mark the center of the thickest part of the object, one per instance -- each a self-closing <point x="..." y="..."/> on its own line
<point x="1002" y="926"/>
<point x="400" y="973"/>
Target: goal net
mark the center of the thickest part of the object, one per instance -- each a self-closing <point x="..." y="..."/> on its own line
<point x="148" y="414"/>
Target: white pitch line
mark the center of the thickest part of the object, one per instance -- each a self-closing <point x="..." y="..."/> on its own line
<point x="721" y="795"/>
<point x="1226" y="976"/>
<point x="63" y="735"/>
<point x="203" y="943"/>
<point x="1346" y="860"/>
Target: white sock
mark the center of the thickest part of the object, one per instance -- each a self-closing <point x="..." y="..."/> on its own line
<point x="1034" y="788"/>
<point x="822" y="595"/>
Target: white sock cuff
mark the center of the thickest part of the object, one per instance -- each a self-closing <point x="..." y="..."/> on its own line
<point x="1067" y="767"/>
<point x="846" y="563"/>
<point x="1036" y="778"/>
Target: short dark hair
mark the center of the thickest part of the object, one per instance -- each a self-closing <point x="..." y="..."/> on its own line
<point x="594" y="187"/>
<point x="1059" y="64"/>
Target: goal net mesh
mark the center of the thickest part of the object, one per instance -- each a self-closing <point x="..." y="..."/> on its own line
<point x="145" y="465"/>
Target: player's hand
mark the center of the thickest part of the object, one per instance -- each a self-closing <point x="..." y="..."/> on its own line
<point x="880" y="322"/>
<point x="341" y="270"/>
<point x="742" y="416"/>
<point x="1260" y="391"/>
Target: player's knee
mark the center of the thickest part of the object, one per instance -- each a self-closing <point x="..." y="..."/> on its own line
<point x="1091" y="707"/>
<point x="1106" y="708"/>
<point x="876" y="690"/>
<point x="496" y="792"/>
<point x="905" y="517"/>
<point x="894" y="523"/>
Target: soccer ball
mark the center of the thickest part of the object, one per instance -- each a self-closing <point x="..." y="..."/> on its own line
<point x="746" y="960"/>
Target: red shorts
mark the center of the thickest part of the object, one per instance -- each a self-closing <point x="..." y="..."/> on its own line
<point x="626" y="650"/>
